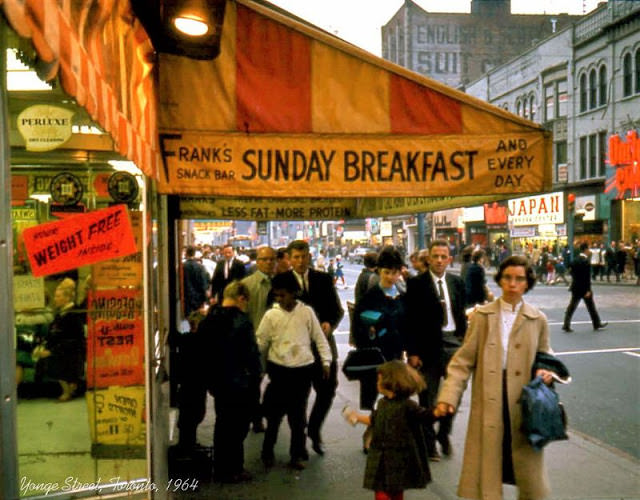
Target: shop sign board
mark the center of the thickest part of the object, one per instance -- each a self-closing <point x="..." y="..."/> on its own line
<point x="116" y="415"/>
<point x="79" y="240"/>
<point x="474" y="214"/>
<point x="386" y="228"/>
<point x="541" y="209"/>
<point x="523" y="232"/>
<point x="495" y="213"/>
<point x="44" y="127"/>
<point x="250" y="208"/>
<point x="122" y="271"/>
<point x="115" y="340"/>
<point x="446" y="218"/>
<point x="28" y="292"/>
<point x="623" y="172"/>
<point x="338" y="165"/>
<point x="586" y="206"/>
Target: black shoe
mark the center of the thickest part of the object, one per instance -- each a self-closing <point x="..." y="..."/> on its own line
<point x="601" y="326"/>
<point x="316" y="445"/>
<point x="258" y="426"/>
<point x="567" y="329"/>
<point x="445" y="445"/>
<point x="268" y="459"/>
<point x="297" y="464"/>
<point x="434" y="456"/>
<point x="304" y="455"/>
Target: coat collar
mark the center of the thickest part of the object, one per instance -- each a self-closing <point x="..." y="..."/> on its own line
<point x="528" y="311"/>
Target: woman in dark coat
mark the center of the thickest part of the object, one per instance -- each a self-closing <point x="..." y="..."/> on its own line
<point x="386" y="333"/>
<point x="64" y="353"/>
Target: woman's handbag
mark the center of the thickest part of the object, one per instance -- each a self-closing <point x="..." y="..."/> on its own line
<point x="361" y="361"/>
<point x="543" y="416"/>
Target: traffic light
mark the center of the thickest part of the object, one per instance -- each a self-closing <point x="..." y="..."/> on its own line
<point x="571" y="203"/>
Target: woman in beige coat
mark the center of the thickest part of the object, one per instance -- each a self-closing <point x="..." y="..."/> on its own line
<point x="496" y="450"/>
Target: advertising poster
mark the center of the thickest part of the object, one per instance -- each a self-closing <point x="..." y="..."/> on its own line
<point x="122" y="271"/>
<point x="28" y="293"/>
<point x="79" y="240"/>
<point x="347" y="166"/>
<point x="115" y="343"/>
<point x="116" y="415"/>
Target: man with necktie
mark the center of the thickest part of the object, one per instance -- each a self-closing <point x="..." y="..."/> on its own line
<point x="436" y="327"/>
<point x="227" y="270"/>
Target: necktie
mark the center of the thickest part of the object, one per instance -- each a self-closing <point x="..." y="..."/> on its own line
<point x="443" y="301"/>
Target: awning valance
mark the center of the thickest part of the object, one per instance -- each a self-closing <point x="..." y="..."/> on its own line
<point x="288" y="110"/>
<point x="104" y="59"/>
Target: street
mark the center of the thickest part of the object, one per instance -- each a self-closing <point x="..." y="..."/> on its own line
<point x="602" y="401"/>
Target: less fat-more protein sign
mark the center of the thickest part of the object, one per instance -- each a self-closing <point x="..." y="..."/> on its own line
<point x="344" y="166"/>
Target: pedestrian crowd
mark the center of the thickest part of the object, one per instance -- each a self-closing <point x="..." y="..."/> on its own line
<point x="263" y="338"/>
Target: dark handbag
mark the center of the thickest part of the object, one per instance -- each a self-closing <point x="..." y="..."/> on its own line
<point x="543" y="415"/>
<point x="362" y="361"/>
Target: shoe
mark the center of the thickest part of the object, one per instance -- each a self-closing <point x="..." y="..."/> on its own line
<point x="304" y="455"/>
<point x="296" y="464"/>
<point x="316" y="445"/>
<point x="445" y="445"/>
<point x="601" y="326"/>
<point x="268" y="460"/>
<point x="434" y="456"/>
<point x="258" y="427"/>
<point x="567" y="329"/>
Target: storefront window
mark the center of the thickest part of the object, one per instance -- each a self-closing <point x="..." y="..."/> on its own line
<point x="79" y="338"/>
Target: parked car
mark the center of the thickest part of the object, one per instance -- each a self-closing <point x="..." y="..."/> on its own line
<point x="356" y="256"/>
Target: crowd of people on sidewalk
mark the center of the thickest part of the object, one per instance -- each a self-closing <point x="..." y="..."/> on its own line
<point x="272" y="327"/>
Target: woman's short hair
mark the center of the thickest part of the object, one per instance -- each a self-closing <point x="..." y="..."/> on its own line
<point x="370" y="259"/>
<point x="235" y="289"/>
<point x="477" y="255"/>
<point x="390" y="258"/>
<point x="518" y="261"/>
<point x="400" y="378"/>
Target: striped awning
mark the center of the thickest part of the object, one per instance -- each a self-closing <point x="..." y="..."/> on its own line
<point x="289" y="110"/>
<point x="104" y="58"/>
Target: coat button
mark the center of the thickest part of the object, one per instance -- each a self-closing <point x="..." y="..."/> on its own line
<point x="517" y="346"/>
<point x="518" y="373"/>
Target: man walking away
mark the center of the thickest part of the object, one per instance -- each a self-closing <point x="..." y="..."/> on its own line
<point x="581" y="290"/>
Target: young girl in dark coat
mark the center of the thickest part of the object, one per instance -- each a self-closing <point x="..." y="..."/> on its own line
<point x="397" y="458"/>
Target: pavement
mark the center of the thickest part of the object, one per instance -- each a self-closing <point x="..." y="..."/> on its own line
<point x="581" y="468"/>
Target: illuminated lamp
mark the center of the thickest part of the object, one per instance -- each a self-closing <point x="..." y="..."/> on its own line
<point x="192" y="18"/>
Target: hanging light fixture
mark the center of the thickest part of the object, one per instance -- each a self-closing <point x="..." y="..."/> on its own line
<point x="190" y="28"/>
<point x="192" y="18"/>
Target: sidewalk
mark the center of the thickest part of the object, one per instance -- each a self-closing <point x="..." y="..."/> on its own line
<point x="579" y="469"/>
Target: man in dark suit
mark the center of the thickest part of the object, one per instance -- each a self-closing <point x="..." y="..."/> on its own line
<point x="227" y="270"/>
<point x="436" y="327"/>
<point x="318" y="291"/>
<point x="580" y="289"/>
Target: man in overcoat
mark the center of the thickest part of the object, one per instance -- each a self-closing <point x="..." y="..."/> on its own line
<point x="581" y="290"/>
<point x="436" y="327"/>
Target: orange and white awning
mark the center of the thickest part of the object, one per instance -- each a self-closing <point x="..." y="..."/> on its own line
<point x="104" y="59"/>
<point x="288" y="110"/>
